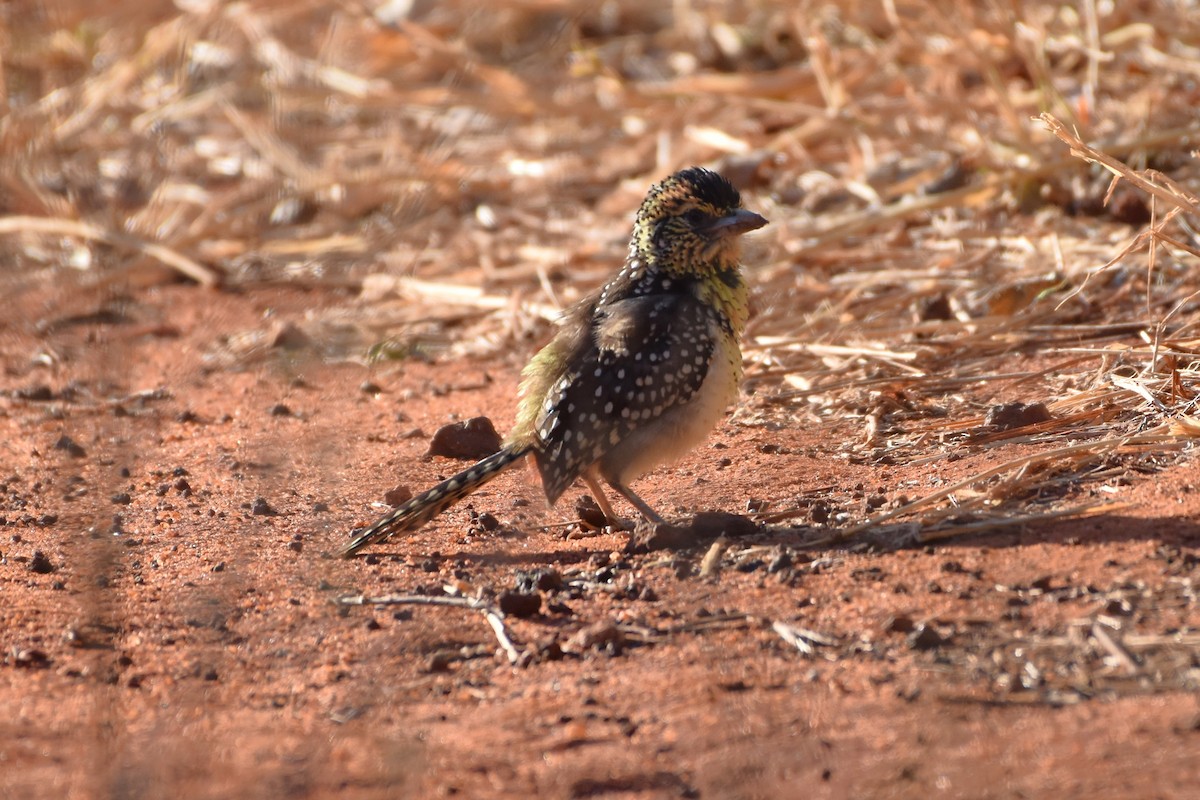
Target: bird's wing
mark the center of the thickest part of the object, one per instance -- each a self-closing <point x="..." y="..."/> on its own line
<point x="645" y="355"/>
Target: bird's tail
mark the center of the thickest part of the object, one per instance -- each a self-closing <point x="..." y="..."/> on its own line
<point x="427" y="505"/>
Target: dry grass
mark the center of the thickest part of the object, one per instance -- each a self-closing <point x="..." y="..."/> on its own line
<point x="928" y="223"/>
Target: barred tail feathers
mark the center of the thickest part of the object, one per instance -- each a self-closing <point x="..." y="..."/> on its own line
<point x="427" y="505"/>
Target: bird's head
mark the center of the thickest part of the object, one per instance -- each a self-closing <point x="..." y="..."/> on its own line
<point x="692" y="220"/>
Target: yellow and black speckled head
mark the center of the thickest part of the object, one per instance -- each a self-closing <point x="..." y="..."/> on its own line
<point x="686" y="238"/>
<point x="687" y="220"/>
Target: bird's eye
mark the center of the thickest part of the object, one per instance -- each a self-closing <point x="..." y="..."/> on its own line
<point x="695" y="216"/>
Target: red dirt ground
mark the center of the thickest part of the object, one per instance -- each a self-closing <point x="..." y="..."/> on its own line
<point x="183" y="645"/>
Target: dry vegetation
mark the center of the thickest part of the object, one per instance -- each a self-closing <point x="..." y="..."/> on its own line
<point x="928" y="225"/>
<point x="983" y="242"/>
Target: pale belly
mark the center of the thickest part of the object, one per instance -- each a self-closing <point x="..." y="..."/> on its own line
<point x="681" y="428"/>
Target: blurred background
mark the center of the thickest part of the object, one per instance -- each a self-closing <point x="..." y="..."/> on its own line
<point x="237" y="188"/>
<point x="503" y="146"/>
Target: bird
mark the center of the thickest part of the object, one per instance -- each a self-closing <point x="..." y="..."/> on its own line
<point x="639" y="372"/>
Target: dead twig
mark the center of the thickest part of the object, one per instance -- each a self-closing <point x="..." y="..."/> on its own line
<point x="493" y="615"/>
<point x="803" y="639"/>
<point x="1164" y="189"/>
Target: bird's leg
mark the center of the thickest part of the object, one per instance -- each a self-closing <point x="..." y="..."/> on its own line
<point x="589" y="477"/>
<point x="649" y="513"/>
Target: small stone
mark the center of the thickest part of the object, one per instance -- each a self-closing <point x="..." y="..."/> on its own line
<point x="604" y="636"/>
<point x="397" y="496"/>
<point x="924" y="637"/>
<point x="289" y="337"/>
<point x="935" y="308"/>
<point x="279" y="410"/>
<point x="519" y="604"/>
<point x="711" y="524"/>
<point x="589" y="514"/>
<point x="648" y="537"/>
<point x="122" y="498"/>
<point x="31" y="658"/>
<point x="473" y="439"/>
<point x="544" y="579"/>
<point x="40" y="563"/>
<point x="37" y="393"/>
<point x="1016" y="415"/>
<point x="440" y="661"/>
<point x="781" y="561"/>
<point x="262" y="508"/>
<point x="70" y="447"/>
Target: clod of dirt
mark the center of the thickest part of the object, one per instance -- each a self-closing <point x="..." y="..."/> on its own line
<point x="934" y="308"/>
<point x="706" y="526"/>
<point x="37" y="393"/>
<point x="550" y="650"/>
<point x="485" y="521"/>
<point x="1129" y="207"/>
<point x="288" y="337"/>
<point x="589" y="514"/>
<point x="1016" y="415"/>
<point x="473" y="439"/>
<point x="604" y="636"/>
<point x="262" y="508"/>
<point x="711" y="524"/>
<point x="781" y="561"/>
<point x="30" y="659"/>
<point x="40" y="563"/>
<point x="925" y="637"/>
<point x="647" y="537"/>
<point x="899" y="623"/>
<point x="397" y="495"/>
<point x="440" y="661"/>
<point x="70" y="447"/>
<point x="519" y="604"/>
<point x="545" y="579"/>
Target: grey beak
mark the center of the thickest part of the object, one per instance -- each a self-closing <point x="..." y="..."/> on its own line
<point x="737" y="223"/>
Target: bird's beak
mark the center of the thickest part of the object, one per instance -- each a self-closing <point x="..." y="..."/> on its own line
<point x="737" y="223"/>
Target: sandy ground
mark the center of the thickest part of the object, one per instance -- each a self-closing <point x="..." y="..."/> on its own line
<point x="179" y="634"/>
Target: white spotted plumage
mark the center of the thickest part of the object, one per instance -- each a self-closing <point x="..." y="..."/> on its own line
<point x="641" y="371"/>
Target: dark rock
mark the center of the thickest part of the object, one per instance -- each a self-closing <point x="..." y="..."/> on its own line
<point x="397" y="496"/>
<point x="40" y="563"/>
<point x="519" y="604"/>
<point x="262" y="508"/>
<point x="70" y="447"/>
<point x="473" y="439"/>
